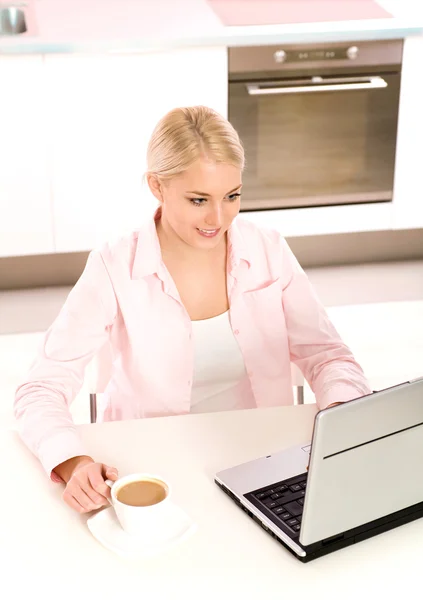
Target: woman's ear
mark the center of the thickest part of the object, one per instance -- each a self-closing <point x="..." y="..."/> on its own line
<point x="155" y="186"/>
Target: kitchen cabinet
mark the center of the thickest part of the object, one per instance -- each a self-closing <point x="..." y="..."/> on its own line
<point x="102" y="111"/>
<point x="408" y="187"/>
<point x="74" y="133"/>
<point x="25" y="199"/>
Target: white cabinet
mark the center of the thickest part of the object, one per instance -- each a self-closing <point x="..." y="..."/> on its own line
<point x="25" y="198"/>
<point x="102" y="110"/>
<point x="74" y="132"/>
<point x="408" y="187"/>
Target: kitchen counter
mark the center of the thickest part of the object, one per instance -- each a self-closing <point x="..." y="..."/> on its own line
<point x="62" y="26"/>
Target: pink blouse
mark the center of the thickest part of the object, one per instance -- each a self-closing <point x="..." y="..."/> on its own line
<point x="126" y="297"/>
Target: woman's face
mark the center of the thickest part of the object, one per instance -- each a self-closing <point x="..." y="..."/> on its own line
<point x="199" y="205"/>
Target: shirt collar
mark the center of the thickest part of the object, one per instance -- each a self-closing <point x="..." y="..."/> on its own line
<point x="148" y="255"/>
<point x="237" y="248"/>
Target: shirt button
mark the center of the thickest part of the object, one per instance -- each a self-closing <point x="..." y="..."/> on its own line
<point x="189" y="382"/>
<point x="236" y="331"/>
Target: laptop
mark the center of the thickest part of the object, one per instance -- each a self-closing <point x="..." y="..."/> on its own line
<point x="364" y="477"/>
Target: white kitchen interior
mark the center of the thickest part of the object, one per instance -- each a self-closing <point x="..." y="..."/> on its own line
<point x="82" y="85"/>
<point x="79" y="97"/>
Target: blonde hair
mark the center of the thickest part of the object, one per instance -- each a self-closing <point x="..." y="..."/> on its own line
<point x="186" y="134"/>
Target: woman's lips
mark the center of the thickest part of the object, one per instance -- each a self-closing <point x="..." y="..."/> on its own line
<point x="208" y="232"/>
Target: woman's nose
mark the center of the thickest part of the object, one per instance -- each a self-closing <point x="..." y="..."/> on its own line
<point x="214" y="217"/>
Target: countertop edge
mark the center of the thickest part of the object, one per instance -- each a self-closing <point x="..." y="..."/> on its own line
<point x="230" y="37"/>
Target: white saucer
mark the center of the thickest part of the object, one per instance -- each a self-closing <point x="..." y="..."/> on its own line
<point x="106" y="528"/>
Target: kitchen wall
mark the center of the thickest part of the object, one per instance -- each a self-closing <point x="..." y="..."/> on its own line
<point x="72" y="156"/>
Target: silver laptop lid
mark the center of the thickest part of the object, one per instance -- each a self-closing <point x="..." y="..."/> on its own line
<point x="366" y="461"/>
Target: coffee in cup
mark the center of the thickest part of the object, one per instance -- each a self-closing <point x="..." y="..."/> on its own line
<point x="144" y="492"/>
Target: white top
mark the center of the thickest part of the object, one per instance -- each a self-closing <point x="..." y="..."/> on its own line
<point x="220" y="381"/>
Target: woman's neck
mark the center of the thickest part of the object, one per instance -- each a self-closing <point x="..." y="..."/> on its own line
<point x="172" y="244"/>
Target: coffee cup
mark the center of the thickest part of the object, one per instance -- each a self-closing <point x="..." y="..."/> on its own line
<point x="142" y="505"/>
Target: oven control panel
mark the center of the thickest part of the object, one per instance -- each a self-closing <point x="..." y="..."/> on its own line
<point x="309" y="55"/>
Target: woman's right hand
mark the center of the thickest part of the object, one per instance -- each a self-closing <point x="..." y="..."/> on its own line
<point x="86" y="489"/>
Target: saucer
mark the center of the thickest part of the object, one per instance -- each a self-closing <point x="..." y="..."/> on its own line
<point x="107" y="530"/>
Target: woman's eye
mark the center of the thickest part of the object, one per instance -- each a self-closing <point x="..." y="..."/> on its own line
<point x="201" y="201"/>
<point x="198" y="201"/>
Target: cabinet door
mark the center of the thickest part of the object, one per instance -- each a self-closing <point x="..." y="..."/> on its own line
<point x="25" y="201"/>
<point x="102" y="112"/>
<point x="408" y="187"/>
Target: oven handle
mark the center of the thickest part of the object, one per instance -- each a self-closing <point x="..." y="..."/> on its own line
<point x="354" y="83"/>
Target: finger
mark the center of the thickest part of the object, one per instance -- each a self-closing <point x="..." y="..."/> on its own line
<point x="95" y="497"/>
<point x="100" y="490"/>
<point x="110" y="473"/>
<point x="82" y="480"/>
<point x="84" y="500"/>
<point x="72" y="502"/>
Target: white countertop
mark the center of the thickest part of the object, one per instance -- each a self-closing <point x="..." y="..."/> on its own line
<point x="45" y="546"/>
<point x="151" y="25"/>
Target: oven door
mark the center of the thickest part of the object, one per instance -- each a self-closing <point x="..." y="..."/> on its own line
<point x="317" y="141"/>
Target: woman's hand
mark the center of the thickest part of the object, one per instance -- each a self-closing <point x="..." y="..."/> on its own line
<point x="333" y="404"/>
<point x="86" y="489"/>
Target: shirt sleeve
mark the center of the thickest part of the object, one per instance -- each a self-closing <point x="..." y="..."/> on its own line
<point x="315" y="346"/>
<point x="55" y="377"/>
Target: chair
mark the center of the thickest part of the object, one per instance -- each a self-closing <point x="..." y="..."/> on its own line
<point x="99" y="370"/>
<point x="97" y="374"/>
<point x="298" y="383"/>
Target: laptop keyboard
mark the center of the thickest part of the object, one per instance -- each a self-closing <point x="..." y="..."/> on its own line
<point x="285" y="501"/>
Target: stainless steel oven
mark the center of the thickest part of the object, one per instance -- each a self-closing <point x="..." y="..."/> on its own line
<point x="318" y="122"/>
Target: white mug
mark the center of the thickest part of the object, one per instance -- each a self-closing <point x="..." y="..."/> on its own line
<point x="153" y="523"/>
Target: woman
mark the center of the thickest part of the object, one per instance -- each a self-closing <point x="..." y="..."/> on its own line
<point x="202" y="312"/>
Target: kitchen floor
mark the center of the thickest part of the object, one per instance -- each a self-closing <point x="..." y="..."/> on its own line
<point x="377" y="309"/>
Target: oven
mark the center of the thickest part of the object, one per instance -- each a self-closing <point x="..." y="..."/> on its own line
<point x="318" y="122"/>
